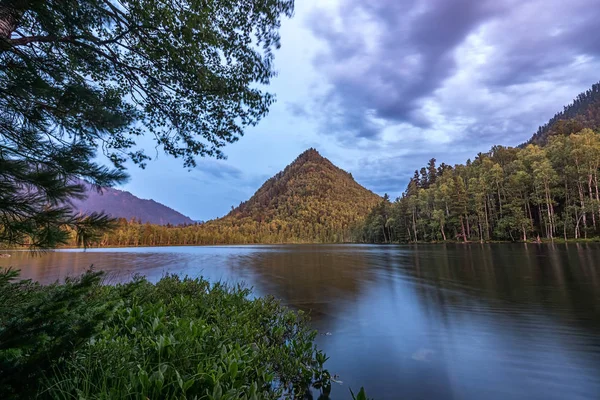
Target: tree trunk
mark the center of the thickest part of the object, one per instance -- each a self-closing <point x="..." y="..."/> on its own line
<point x="591" y="199"/>
<point x="549" y="226"/>
<point x="468" y="226"/>
<point x="550" y="210"/>
<point x="582" y="202"/>
<point x="10" y="14"/>
<point x="499" y="199"/>
<point x="541" y="218"/>
<point x="415" y="226"/>
<point x="487" y="223"/>
<point x="567" y="214"/>
<point x="529" y="212"/>
<point x="596" y="187"/>
<point x="462" y="225"/>
<point x="480" y="228"/>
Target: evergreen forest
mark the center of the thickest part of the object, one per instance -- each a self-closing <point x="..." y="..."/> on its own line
<point x="511" y="194"/>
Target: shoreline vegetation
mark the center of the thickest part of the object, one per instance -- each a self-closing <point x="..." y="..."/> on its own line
<point x="178" y="338"/>
<point x="595" y="239"/>
<point x="508" y="194"/>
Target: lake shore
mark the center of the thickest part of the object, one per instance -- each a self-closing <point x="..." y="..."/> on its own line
<point x="542" y="241"/>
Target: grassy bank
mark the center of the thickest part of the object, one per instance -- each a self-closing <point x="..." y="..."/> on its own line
<point x="178" y="338"/>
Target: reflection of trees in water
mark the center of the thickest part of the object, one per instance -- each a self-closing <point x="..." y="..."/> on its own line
<point x="561" y="279"/>
<point x="317" y="279"/>
<point x="47" y="267"/>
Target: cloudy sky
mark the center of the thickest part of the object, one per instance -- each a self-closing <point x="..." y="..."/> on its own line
<point x="379" y="87"/>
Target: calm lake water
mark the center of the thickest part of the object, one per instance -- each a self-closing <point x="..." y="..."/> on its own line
<point x="409" y="322"/>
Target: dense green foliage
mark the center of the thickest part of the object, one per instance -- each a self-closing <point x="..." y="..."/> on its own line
<point x="178" y="338"/>
<point x="78" y="75"/>
<point x="583" y="112"/>
<point x="506" y="194"/>
<point x="41" y="325"/>
<point x="310" y="201"/>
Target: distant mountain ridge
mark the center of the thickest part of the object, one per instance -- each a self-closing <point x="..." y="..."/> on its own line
<point x="122" y="204"/>
<point x="583" y="112"/>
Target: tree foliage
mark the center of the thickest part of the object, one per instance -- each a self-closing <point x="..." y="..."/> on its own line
<point x="505" y="194"/>
<point x="77" y="75"/>
<point x="176" y="339"/>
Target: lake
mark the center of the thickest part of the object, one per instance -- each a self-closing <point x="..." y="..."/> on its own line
<point x="498" y="321"/>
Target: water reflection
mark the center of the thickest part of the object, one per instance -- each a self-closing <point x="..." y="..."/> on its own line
<point x="415" y="322"/>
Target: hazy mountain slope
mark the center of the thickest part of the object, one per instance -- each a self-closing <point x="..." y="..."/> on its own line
<point x="120" y="203"/>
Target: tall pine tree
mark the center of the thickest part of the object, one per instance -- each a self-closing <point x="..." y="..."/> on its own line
<point x="82" y="75"/>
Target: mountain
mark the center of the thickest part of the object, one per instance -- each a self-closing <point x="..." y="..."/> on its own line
<point x="122" y="204"/>
<point x="583" y="112"/>
<point x="311" y="200"/>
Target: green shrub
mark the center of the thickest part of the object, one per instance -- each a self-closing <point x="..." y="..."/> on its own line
<point x="42" y="325"/>
<point x="178" y="338"/>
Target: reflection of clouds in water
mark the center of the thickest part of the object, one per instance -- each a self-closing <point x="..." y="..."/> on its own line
<point x="423" y="355"/>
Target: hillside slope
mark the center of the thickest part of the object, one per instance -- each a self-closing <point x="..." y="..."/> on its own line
<point x="583" y="112"/>
<point x="122" y="204"/>
<point x="311" y="200"/>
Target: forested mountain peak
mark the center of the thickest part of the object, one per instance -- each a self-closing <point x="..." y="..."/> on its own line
<point x="311" y="181"/>
<point x="312" y="156"/>
<point x="310" y="200"/>
<point x="583" y="112"/>
<point x="311" y="153"/>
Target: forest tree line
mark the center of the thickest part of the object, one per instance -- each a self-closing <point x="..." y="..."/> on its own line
<point x="134" y="233"/>
<point x="506" y="194"/>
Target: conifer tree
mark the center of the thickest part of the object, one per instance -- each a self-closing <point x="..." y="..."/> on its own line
<point x="81" y="75"/>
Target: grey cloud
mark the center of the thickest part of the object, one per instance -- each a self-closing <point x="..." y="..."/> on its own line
<point x="388" y="75"/>
<point x="219" y="169"/>
<point x="384" y="60"/>
<point x="297" y="110"/>
<point x="540" y="37"/>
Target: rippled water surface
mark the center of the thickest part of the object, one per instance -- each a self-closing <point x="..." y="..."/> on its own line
<point x="409" y="322"/>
